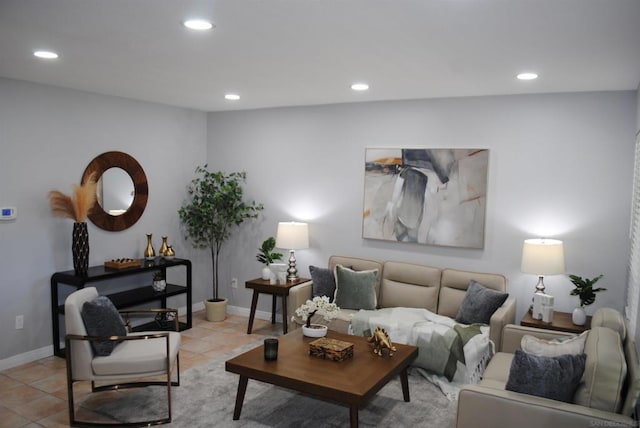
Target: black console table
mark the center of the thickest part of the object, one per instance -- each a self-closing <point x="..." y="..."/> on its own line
<point x="123" y="299"/>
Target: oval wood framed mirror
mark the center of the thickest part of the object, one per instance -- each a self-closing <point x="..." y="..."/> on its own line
<point x="123" y="220"/>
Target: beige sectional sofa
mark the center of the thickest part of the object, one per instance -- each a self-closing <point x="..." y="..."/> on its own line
<point x="411" y="285"/>
<point x="605" y="396"/>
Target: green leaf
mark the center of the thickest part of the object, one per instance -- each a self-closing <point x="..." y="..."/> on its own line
<point x="584" y="289"/>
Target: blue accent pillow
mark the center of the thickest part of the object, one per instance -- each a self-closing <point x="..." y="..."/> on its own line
<point x="101" y="318"/>
<point x="356" y="289"/>
<point x="324" y="283"/>
<point x="479" y="304"/>
<point x="550" y="377"/>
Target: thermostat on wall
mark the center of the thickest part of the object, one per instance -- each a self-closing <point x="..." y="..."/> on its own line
<point x="8" y="213"/>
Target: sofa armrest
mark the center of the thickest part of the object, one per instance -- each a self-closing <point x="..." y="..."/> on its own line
<point x="505" y="314"/>
<point x="527" y="411"/>
<point x="298" y="295"/>
<point x="512" y="336"/>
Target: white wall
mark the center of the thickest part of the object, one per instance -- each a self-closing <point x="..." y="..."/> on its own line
<point x="560" y="166"/>
<point x="48" y="135"/>
<point x="638" y="109"/>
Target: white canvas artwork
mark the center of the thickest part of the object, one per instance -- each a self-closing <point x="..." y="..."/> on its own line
<point x="426" y="196"/>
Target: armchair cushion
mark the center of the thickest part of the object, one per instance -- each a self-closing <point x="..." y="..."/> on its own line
<point x="101" y="318"/>
<point x="479" y="304"/>
<point x="139" y="356"/>
<point x="550" y="377"/>
<point x="355" y="289"/>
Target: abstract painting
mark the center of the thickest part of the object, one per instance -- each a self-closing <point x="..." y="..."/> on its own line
<point x="426" y="196"/>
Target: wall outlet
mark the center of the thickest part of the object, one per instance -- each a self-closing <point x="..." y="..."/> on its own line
<point x="19" y="322"/>
<point x="234" y="282"/>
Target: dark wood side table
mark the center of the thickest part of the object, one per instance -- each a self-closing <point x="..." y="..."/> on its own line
<point x="264" y="286"/>
<point x="561" y="322"/>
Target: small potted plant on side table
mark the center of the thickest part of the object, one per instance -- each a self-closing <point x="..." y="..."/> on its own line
<point x="322" y="306"/>
<point x="266" y="256"/>
<point x="587" y="295"/>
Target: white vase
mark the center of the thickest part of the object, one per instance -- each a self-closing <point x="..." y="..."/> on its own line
<point x="579" y="317"/>
<point x="266" y="273"/>
<point x="316" y="330"/>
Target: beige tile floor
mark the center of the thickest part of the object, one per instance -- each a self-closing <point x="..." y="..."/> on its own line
<point x="35" y="394"/>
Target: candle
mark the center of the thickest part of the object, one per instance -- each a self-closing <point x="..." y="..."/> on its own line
<point x="271" y="349"/>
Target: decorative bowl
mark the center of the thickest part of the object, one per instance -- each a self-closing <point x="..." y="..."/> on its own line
<point x="316" y="330"/>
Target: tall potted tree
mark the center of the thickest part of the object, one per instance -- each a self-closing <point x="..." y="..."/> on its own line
<point x="215" y="207"/>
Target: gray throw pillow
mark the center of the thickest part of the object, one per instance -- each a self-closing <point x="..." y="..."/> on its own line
<point x="101" y="318"/>
<point x="355" y="289"/>
<point x="550" y="377"/>
<point x="324" y="283"/>
<point x="479" y="304"/>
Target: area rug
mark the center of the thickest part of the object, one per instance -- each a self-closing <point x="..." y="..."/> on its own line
<point x="206" y="398"/>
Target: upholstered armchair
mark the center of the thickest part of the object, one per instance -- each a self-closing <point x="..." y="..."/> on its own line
<point x="132" y="357"/>
<point x="605" y="396"/>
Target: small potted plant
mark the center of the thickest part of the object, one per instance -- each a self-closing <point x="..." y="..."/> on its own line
<point x="586" y="293"/>
<point x="159" y="283"/>
<point x="320" y="305"/>
<point x="266" y="256"/>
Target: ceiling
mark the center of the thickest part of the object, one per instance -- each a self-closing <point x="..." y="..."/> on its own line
<point x="306" y="52"/>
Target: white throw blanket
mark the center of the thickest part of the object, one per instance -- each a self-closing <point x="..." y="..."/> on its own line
<point x="450" y="354"/>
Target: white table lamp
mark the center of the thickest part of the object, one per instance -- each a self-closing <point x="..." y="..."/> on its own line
<point x="542" y="257"/>
<point x="292" y="236"/>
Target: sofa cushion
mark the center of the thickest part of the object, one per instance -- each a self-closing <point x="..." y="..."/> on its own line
<point x="324" y="283"/>
<point x="355" y="289"/>
<point x="454" y="284"/>
<point x="479" y="304"/>
<point x="550" y="377"/>
<point x="356" y="263"/>
<point x="605" y="371"/>
<point x="573" y="345"/>
<point x="407" y="285"/>
<point x="101" y="318"/>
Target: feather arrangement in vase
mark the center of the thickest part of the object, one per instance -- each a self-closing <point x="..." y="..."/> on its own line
<point x="77" y="207"/>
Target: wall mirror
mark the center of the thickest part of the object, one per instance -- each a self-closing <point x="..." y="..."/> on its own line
<point x="122" y="190"/>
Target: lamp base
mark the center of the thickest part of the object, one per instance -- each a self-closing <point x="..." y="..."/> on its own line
<point x="539" y="290"/>
<point x="540" y="285"/>
<point x="292" y="272"/>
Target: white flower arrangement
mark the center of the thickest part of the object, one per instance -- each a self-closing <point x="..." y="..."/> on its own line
<point x="320" y="305"/>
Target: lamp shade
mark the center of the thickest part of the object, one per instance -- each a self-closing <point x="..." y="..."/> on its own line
<point x="543" y="257"/>
<point x="292" y="235"/>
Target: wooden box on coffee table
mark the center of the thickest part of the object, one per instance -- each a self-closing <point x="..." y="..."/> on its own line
<point x="331" y="349"/>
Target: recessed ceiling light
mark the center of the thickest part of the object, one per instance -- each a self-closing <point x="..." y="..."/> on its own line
<point x="198" y="24"/>
<point x="45" y="54"/>
<point x="359" y="86"/>
<point x="232" y="97"/>
<point x="527" y="76"/>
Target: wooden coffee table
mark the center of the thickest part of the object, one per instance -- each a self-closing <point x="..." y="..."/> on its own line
<point x="352" y="382"/>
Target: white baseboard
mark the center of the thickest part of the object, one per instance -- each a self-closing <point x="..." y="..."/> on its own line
<point x="244" y="312"/>
<point x="47" y="351"/>
<point x="27" y="357"/>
